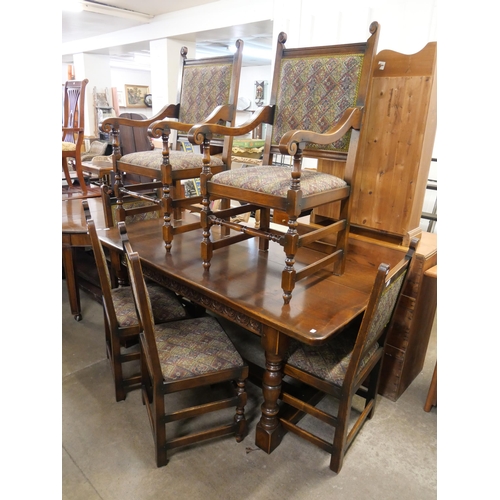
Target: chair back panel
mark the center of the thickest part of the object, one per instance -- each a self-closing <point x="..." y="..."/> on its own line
<point x="312" y="88"/>
<point x="142" y="302"/>
<point x="102" y="267"/>
<point x="73" y="109"/>
<point x="314" y="92"/>
<point x="134" y="139"/>
<point x="379" y="312"/>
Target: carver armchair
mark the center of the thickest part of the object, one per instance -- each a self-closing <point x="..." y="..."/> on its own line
<point x="208" y="91"/>
<point x="316" y="109"/>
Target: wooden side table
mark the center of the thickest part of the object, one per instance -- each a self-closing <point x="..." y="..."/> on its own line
<point x="100" y="169"/>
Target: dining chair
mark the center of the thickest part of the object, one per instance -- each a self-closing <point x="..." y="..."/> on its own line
<point x="121" y="323"/>
<point x="73" y="129"/>
<point x="316" y="110"/>
<point x="346" y="370"/>
<point x="207" y="91"/>
<point x="186" y="355"/>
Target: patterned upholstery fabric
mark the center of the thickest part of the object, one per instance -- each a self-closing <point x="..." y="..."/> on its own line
<point x="137" y="217"/>
<point x="330" y="361"/>
<point x="275" y="180"/>
<point x="68" y="146"/>
<point x="179" y="160"/>
<point x="385" y="307"/>
<point x="314" y="93"/>
<point x="194" y="347"/>
<point x="204" y="88"/>
<point x="165" y="304"/>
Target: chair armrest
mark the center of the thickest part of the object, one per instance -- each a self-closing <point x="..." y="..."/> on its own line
<point x="110" y="124"/>
<point x="158" y="128"/>
<point x="203" y="131"/>
<point x="294" y="140"/>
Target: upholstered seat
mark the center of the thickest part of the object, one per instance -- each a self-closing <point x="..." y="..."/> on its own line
<point x="196" y="347"/>
<point x="179" y="160"/>
<point x="275" y="180"/>
<point x="68" y="146"/>
<point x="166" y="306"/>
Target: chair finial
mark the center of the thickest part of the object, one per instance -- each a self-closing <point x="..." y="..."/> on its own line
<point x="122" y="229"/>
<point x="374" y="27"/>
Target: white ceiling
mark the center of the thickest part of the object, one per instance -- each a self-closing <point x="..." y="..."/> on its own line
<point x="81" y="25"/>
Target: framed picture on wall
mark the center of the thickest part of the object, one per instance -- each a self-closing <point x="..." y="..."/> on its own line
<point x="134" y="95"/>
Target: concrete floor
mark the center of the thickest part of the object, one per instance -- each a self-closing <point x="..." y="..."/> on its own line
<point x="107" y="447"/>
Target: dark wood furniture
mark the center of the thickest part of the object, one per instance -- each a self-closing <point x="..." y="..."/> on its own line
<point x="208" y="91"/>
<point x="73" y="130"/>
<point x="408" y="338"/>
<point x="316" y="110"/>
<point x="431" y="399"/>
<point x="244" y="287"/>
<point x="184" y="355"/>
<point x="345" y="367"/>
<point x="121" y="324"/>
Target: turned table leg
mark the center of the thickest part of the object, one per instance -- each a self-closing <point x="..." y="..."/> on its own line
<point x="269" y="431"/>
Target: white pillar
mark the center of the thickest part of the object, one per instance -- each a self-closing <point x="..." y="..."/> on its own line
<point x="165" y="57"/>
<point x="96" y="68"/>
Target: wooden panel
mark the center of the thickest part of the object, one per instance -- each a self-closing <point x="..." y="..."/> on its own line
<point x="332" y="210"/>
<point x="397" y="138"/>
<point x="386" y="189"/>
<point x="408" y="338"/>
<point x="395" y="149"/>
<point x="392" y="367"/>
<point x="403" y="317"/>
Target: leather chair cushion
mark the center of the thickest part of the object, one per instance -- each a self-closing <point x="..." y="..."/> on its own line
<point x="275" y="180"/>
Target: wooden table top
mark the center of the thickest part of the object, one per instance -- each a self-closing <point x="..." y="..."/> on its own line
<point x="244" y="281"/>
<point x="73" y="218"/>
